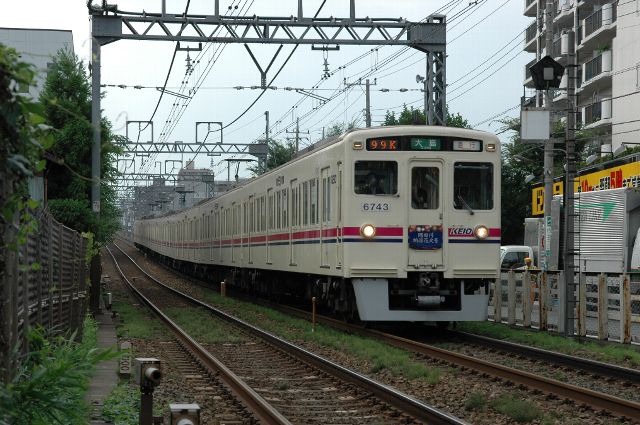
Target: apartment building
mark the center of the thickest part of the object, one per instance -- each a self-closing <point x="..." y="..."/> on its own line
<point x="37" y="47"/>
<point x="607" y="42"/>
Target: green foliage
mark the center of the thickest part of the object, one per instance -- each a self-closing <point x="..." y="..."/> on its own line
<point x="411" y="116"/>
<point x="49" y="387"/>
<point x="23" y="139"/>
<point x="517" y="409"/>
<point x="339" y="128"/>
<point x="475" y="401"/>
<point x="122" y="406"/>
<point x="279" y="153"/>
<point x="66" y="99"/>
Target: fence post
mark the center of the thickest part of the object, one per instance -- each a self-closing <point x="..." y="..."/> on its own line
<point x="582" y="305"/>
<point x="60" y="268"/>
<point x="625" y="310"/>
<point x="527" y="294"/>
<point x="603" y="314"/>
<point x="562" y="296"/>
<point x="497" y="300"/>
<point x="40" y="278"/>
<point x="511" y="298"/>
<point x="542" y="301"/>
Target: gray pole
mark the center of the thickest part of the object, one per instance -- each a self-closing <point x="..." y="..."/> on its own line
<point x="548" y="144"/>
<point x="569" y="210"/>
<point x="266" y="139"/>
<point x="297" y="133"/>
<point x="428" y="84"/>
<point x="95" y="267"/>
<point x="368" y="106"/>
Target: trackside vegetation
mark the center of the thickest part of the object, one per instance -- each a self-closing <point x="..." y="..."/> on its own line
<point x="50" y="385"/>
<point x="609" y="353"/>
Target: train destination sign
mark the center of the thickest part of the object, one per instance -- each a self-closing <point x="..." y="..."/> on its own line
<point x="422" y="143"/>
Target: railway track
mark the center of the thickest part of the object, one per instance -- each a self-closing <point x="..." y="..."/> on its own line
<point x="285" y="383"/>
<point x="594" y="399"/>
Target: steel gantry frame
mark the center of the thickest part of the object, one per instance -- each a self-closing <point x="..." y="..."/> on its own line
<point x="109" y="24"/>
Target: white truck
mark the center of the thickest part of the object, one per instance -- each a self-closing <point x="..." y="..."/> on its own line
<point x="607" y="227"/>
<point x="513" y="256"/>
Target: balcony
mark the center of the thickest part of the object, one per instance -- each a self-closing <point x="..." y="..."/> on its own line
<point x="530" y="37"/>
<point x="528" y="81"/>
<point x="596" y="74"/>
<point x="530" y="8"/>
<point x="597" y="114"/>
<point x="564" y="14"/>
<point x="598" y="28"/>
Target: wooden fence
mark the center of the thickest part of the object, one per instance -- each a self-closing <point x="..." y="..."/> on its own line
<point x="44" y="284"/>
<point x="607" y="306"/>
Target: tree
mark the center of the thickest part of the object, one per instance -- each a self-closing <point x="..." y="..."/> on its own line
<point x="279" y="153"/>
<point x="339" y="128"/>
<point x="409" y="116"/>
<point x="66" y="99"/>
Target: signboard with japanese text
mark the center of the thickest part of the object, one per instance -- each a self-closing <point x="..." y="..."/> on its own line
<point x="425" y="236"/>
<point x="613" y="177"/>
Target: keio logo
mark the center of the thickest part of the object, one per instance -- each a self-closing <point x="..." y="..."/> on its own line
<point x="460" y="231"/>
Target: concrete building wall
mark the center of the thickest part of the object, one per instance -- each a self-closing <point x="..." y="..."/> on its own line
<point x="626" y="77"/>
<point x="38" y="47"/>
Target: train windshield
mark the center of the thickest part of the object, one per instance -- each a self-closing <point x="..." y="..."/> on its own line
<point x="473" y="186"/>
<point x="376" y="177"/>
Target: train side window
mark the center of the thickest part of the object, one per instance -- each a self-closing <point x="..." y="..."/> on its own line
<point x="305" y="203"/>
<point x="473" y="186"/>
<point x="376" y="178"/>
<point x="314" y="200"/>
<point x="278" y="210"/>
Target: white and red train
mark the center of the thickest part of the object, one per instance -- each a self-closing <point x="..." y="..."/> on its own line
<point x="394" y="223"/>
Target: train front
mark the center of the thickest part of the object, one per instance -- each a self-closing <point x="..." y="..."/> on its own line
<point x="424" y="210"/>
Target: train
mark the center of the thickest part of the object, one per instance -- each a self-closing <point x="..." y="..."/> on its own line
<point x="384" y="224"/>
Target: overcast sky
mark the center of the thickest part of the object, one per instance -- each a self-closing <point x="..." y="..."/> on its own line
<point x="489" y="31"/>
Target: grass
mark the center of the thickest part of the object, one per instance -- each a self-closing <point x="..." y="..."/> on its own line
<point x="198" y="322"/>
<point x="135" y="322"/>
<point x="122" y="406"/>
<point x="380" y="356"/>
<point x="475" y="401"/>
<point x="517" y="409"/>
<point x="609" y="353"/>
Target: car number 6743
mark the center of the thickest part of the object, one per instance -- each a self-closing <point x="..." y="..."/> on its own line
<point x="375" y="206"/>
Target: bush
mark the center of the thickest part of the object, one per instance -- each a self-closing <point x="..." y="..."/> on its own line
<point x="51" y="383"/>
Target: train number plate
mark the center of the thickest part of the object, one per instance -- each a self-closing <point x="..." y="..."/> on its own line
<point x="375" y="207"/>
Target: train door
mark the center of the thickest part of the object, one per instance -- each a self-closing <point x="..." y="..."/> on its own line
<point x="250" y="227"/>
<point x="270" y="213"/>
<point x="339" y="215"/>
<point x="293" y="220"/>
<point x="325" y="216"/>
<point x="425" y="217"/>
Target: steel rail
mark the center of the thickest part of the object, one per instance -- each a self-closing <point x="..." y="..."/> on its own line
<point x="592" y="398"/>
<point x="263" y="411"/>
<point x="393" y="397"/>
<point x="592" y="366"/>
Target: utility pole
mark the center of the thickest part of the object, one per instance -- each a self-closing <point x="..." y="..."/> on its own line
<point x="368" y="106"/>
<point x="96" y="270"/>
<point x="548" y="144"/>
<point x="367" y="85"/>
<point x="296" y="134"/>
<point x="266" y="139"/>
<point x="569" y="193"/>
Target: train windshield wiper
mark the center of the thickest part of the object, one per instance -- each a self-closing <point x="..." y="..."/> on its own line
<point x="465" y="204"/>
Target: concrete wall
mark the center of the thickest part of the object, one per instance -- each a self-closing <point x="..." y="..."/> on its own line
<point x="38" y="47"/>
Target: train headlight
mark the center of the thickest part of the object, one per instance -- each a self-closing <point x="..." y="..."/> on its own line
<point x="368" y="231"/>
<point x="481" y="232"/>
